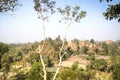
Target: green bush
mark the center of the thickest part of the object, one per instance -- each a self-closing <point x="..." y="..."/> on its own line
<point x="116" y="72"/>
<point x="98" y="64"/>
<point x="67" y="74"/>
<point x="19" y="76"/>
<point x="34" y="73"/>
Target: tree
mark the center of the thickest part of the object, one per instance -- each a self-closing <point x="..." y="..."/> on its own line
<point x="116" y="72"/>
<point x="84" y="50"/>
<point x="49" y="62"/>
<point x="4" y="48"/>
<point x="44" y="9"/>
<point x="69" y="52"/>
<point x="34" y="58"/>
<point x="57" y="43"/>
<point x="86" y="75"/>
<point x="92" y="41"/>
<point x="8" y="5"/>
<point x="5" y="61"/>
<point x="69" y="15"/>
<point x="76" y="42"/>
<point x="98" y="64"/>
<point x="114" y="60"/>
<point x="67" y="74"/>
<point x="35" y="72"/>
<point x="75" y="66"/>
<point x="112" y="12"/>
<point x="19" y="56"/>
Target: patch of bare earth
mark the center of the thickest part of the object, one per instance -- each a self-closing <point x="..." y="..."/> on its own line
<point x="82" y="62"/>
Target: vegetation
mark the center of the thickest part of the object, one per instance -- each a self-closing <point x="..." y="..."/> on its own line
<point x="112" y="12"/>
<point x="98" y="64"/>
<point x="29" y="67"/>
<point x="43" y="60"/>
<point x="8" y="5"/>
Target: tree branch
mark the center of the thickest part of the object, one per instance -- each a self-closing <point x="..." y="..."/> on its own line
<point x="41" y="75"/>
<point x="41" y="49"/>
<point x="61" y="56"/>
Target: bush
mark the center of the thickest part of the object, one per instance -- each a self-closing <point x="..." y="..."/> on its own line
<point x="67" y="74"/>
<point x="75" y="66"/>
<point x="116" y="72"/>
<point x="34" y="73"/>
<point x="98" y="64"/>
<point x="19" y="76"/>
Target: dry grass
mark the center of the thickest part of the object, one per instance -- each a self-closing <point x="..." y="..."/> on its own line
<point x="82" y="62"/>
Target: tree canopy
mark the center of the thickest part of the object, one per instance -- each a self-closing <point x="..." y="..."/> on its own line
<point x="112" y="12"/>
<point x="8" y="5"/>
<point x="4" y="48"/>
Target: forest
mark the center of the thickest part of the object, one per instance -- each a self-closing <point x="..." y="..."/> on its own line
<point x="84" y="60"/>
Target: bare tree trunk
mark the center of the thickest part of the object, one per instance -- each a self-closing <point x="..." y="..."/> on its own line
<point x="44" y="68"/>
<point x="40" y="52"/>
<point x="61" y="55"/>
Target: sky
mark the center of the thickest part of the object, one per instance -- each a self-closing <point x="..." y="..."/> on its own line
<point x="24" y="26"/>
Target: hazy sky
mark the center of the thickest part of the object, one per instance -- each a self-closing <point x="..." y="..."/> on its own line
<point x="26" y="27"/>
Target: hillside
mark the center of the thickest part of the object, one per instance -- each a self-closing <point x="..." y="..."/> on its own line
<point x="90" y="59"/>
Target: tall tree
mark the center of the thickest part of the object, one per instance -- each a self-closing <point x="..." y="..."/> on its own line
<point x="69" y="16"/>
<point x="44" y="9"/>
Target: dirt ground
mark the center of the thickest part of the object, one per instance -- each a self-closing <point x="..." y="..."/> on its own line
<point x="82" y="62"/>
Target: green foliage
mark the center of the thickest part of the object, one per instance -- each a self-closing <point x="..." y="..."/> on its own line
<point x="114" y="66"/>
<point x="78" y="74"/>
<point x="35" y="71"/>
<point x="67" y="74"/>
<point x="76" y="41"/>
<point x="48" y="61"/>
<point x="18" y="56"/>
<point x="49" y="76"/>
<point x="50" y="56"/>
<point x="57" y="43"/>
<point x="6" y="60"/>
<point x="35" y="45"/>
<point x="113" y="12"/>
<point x="91" y="56"/>
<point x="4" y="48"/>
<point x="92" y="40"/>
<point x="114" y="60"/>
<point x="86" y="75"/>
<point x="19" y="76"/>
<point x="8" y="5"/>
<point x="69" y="52"/>
<point x="98" y="64"/>
<point x="34" y="58"/>
<point x="71" y="14"/>
<point x="75" y="66"/>
<point x="44" y="7"/>
<point x="84" y="50"/>
<point x="116" y="72"/>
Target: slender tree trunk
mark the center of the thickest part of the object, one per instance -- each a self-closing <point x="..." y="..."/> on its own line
<point x="61" y="55"/>
<point x="44" y="68"/>
<point x="40" y="52"/>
